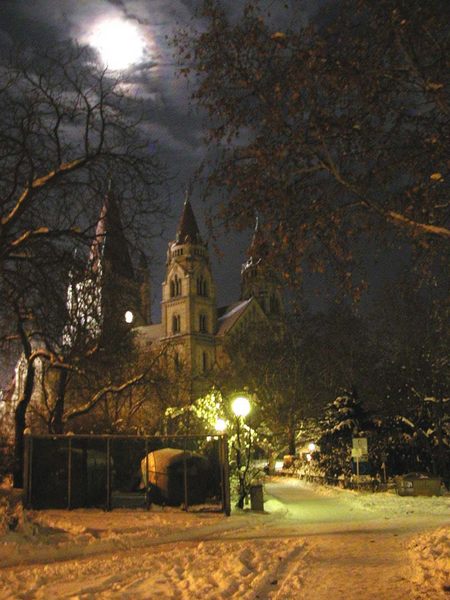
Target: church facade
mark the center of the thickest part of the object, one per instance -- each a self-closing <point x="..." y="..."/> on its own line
<point x="193" y="327"/>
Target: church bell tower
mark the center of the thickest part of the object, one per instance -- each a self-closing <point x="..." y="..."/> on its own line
<point x="189" y="311"/>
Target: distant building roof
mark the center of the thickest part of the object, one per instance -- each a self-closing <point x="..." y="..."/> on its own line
<point x="231" y="315"/>
<point x="148" y="334"/>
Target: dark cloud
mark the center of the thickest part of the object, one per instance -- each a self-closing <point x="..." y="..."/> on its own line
<point x="172" y="125"/>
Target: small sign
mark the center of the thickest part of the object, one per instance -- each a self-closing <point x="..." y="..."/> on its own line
<point x="356" y="453"/>
<point x="360" y="444"/>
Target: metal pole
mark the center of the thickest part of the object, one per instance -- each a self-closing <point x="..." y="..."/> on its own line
<point x="69" y="475"/>
<point x="225" y="475"/>
<point x="185" y="481"/>
<point x="239" y="463"/>
<point x="108" y="473"/>
<point x="146" y="479"/>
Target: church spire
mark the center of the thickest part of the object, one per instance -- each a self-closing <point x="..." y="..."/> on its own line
<point x="257" y="249"/>
<point x="110" y="248"/>
<point x="258" y="279"/>
<point x="188" y="231"/>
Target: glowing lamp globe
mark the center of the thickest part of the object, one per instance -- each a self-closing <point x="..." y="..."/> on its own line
<point x="220" y="425"/>
<point x="129" y="317"/>
<point x="241" y="406"/>
<point x="311" y="446"/>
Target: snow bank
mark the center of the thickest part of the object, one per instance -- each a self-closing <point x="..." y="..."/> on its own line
<point x="388" y="503"/>
<point x="211" y="570"/>
<point x="11" y="511"/>
<point x="430" y="557"/>
<point x="166" y="553"/>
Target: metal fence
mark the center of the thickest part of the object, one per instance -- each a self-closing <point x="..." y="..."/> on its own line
<point x="112" y="471"/>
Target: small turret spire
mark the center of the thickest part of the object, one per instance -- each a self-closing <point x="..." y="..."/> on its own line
<point x="187" y="228"/>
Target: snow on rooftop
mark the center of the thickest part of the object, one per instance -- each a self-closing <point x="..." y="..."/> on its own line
<point x="229" y="318"/>
<point x="146" y="334"/>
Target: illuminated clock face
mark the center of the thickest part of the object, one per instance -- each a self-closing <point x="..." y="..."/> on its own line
<point x="129" y="317"/>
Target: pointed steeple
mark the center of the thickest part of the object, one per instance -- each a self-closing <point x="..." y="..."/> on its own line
<point x="110" y="248"/>
<point x="257" y="249"/>
<point x="188" y="231"/>
<point x="258" y="279"/>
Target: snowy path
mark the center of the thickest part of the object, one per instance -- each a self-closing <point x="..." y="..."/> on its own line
<point x="353" y="553"/>
<point x="314" y="544"/>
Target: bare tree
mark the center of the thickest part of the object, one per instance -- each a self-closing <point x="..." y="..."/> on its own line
<point x="335" y="131"/>
<point x="66" y="130"/>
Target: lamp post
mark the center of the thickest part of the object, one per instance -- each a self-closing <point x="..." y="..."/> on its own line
<point x="240" y="407"/>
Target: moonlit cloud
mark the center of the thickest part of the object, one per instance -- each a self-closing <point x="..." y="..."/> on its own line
<point x="171" y="122"/>
<point x="118" y="42"/>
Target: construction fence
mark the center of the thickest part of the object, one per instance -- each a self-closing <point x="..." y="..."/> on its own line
<point x="113" y="471"/>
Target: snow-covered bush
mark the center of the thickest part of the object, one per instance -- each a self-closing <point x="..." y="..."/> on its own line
<point x="344" y="419"/>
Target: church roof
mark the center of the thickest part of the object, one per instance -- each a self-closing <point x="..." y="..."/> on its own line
<point x="231" y="315"/>
<point x="149" y="334"/>
<point x="110" y="246"/>
<point x="187" y="228"/>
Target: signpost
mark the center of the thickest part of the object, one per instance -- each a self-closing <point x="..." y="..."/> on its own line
<point x="383" y="457"/>
<point x="360" y="452"/>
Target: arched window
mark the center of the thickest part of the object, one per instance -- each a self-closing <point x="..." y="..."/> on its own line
<point x="175" y="287"/>
<point x="177" y="361"/>
<point x="176" y="324"/>
<point x="202" y="286"/>
<point x="204" y="361"/>
<point x="203" y="323"/>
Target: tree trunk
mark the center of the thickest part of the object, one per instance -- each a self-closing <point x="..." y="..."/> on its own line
<point x="20" y="424"/>
<point x="291" y="444"/>
<point x="291" y="437"/>
<point x="56" y="423"/>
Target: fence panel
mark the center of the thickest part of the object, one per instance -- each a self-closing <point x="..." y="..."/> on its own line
<point x="127" y="471"/>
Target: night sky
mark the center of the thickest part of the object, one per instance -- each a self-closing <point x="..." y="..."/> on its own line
<point x="175" y="125"/>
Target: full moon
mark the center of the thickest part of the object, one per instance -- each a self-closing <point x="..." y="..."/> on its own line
<point x="118" y="42"/>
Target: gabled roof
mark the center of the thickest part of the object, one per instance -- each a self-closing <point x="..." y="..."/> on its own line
<point x="187" y="228"/>
<point x="231" y="315"/>
<point x="149" y="334"/>
<point x="110" y="246"/>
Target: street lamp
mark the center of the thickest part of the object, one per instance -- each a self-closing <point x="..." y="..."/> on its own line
<point x="220" y="425"/>
<point x="240" y="407"/>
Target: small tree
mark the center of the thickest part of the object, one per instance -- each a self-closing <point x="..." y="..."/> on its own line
<point x="273" y="360"/>
<point x="344" y="419"/>
<point x="202" y="417"/>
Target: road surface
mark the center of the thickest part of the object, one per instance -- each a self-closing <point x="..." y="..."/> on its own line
<point x="307" y="546"/>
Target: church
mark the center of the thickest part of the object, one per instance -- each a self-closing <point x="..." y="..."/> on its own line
<point x="192" y="325"/>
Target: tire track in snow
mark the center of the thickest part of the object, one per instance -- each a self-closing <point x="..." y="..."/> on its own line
<point x="287" y="580"/>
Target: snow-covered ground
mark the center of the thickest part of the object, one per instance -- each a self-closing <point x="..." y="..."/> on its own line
<point x="312" y="542"/>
